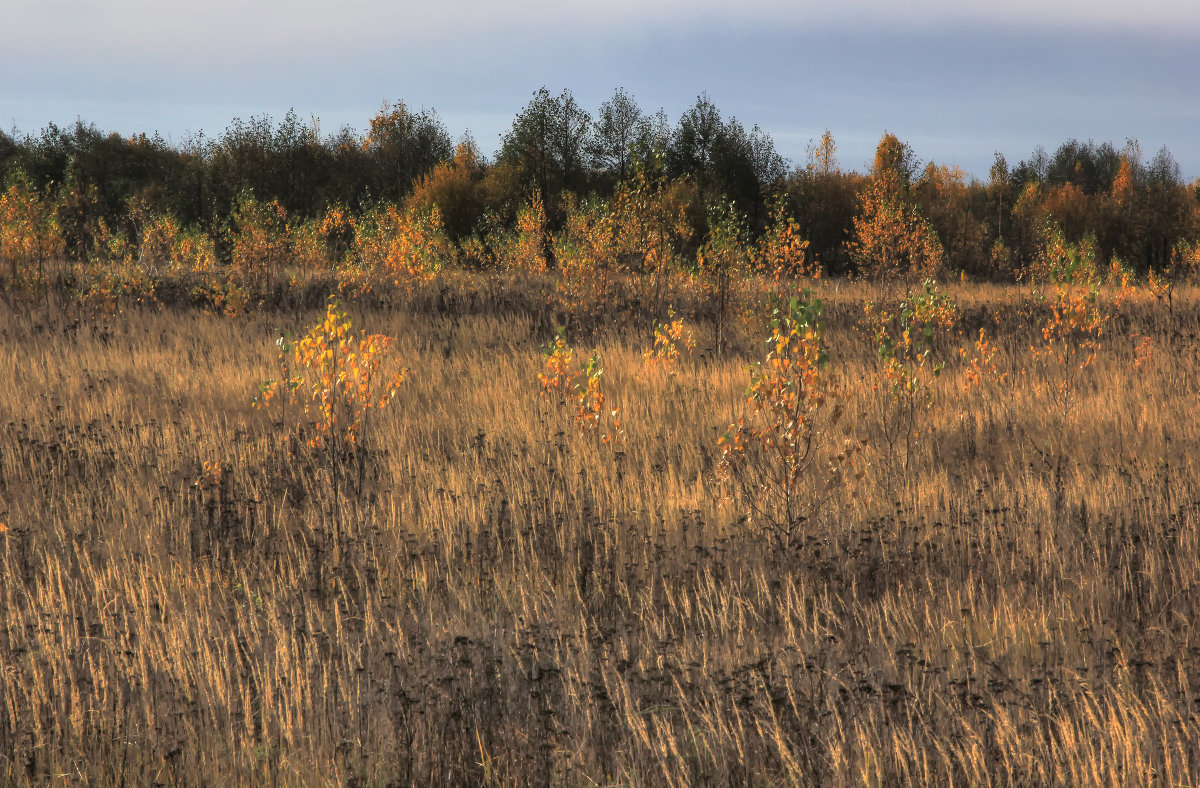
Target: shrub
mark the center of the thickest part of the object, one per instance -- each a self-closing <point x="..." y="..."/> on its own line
<point x="780" y="460"/>
<point x="574" y="388"/>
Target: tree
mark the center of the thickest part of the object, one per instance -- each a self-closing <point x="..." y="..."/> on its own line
<point x="301" y="165"/>
<point x="404" y="146"/>
<point x="823" y="201"/>
<point x="1167" y="208"/>
<point x="720" y="260"/>
<point x="725" y="160"/>
<point x="10" y="151"/>
<point x="29" y="232"/>
<point x="619" y="126"/>
<point x="999" y="191"/>
<point x="654" y="138"/>
<point x="722" y="156"/>
<point x="650" y="210"/>
<point x="549" y="145"/>
<point x="692" y="144"/>
<point x="895" y="159"/>
<point x="241" y="159"/>
<point x="1089" y="166"/>
<point x="452" y="188"/>
<point x="945" y="198"/>
<point x="351" y="169"/>
<point x="892" y="239"/>
<point x="1031" y="170"/>
<point x="781" y="458"/>
<point x="769" y="168"/>
<point x="822" y="156"/>
<point x="1072" y="208"/>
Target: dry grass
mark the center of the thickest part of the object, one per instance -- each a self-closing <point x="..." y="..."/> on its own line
<point x="507" y="602"/>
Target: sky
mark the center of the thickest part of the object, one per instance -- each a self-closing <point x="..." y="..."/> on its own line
<point x="957" y="80"/>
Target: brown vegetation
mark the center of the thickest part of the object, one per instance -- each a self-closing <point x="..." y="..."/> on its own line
<point x="501" y="598"/>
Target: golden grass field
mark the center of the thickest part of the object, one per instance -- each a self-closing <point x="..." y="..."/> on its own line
<point x="508" y="602"/>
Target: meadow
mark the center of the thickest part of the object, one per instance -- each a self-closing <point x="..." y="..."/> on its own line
<point x="984" y="573"/>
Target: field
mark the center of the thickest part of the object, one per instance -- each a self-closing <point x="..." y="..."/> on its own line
<point x="482" y="592"/>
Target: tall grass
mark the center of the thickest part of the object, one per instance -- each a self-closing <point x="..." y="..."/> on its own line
<point x="507" y="601"/>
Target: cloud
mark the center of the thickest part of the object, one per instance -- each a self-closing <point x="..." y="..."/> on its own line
<point x="221" y="26"/>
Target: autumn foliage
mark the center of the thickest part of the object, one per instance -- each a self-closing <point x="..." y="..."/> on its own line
<point x="339" y="377"/>
<point x="29" y="233"/>
<point x="819" y="477"/>
<point x="893" y="240"/>
<point x="573" y="386"/>
<point x="781" y="460"/>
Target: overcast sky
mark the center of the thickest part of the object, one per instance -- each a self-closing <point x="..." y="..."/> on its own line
<point x="957" y="80"/>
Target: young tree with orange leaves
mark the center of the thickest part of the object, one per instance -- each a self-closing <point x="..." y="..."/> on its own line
<point x="258" y="239"/>
<point x="575" y="388"/>
<point x="671" y="339"/>
<point x="338" y="376"/>
<point x="907" y="339"/>
<point x="587" y="255"/>
<point x="453" y="188"/>
<point x="527" y="248"/>
<point x="781" y="460"/>
<point x="651" y="224"/>
<point x="781" y="252"/>
<point x="404" y="248"/>
<point x="721" y="262"/>
<point x="893" y="241"/>
<point x="29" y="232"/>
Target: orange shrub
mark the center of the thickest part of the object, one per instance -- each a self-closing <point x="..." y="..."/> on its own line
<point x="780" y="461"/>
<point x="575" y="389"/>
<point x="259" y="240"/>
<point x="29" y="232"/>
<point x="781" y="252"/>
<point x="523" y="249"/>
<point x="669" y="337"/>
<point x="337" y="376"/>
<point x="405" y="248"/>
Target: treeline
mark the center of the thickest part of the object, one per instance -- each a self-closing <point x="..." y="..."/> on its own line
<point x="1115" y="202"/>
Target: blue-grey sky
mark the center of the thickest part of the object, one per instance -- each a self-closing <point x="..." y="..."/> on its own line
<point x="958" y="80"/>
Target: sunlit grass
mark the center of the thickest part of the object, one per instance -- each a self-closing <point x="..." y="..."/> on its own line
<point x="510" y="600"/>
